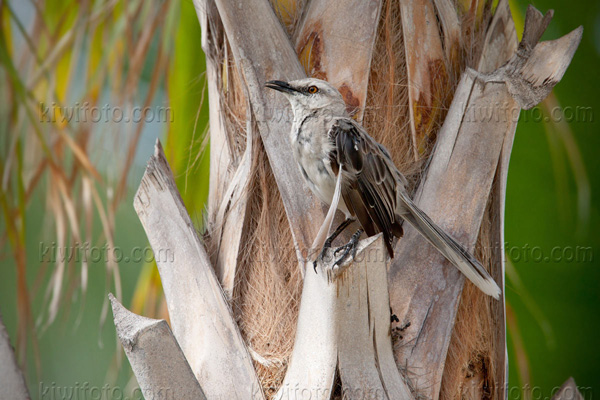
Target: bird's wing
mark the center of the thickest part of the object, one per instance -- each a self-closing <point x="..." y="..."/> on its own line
<point x="370" y="182"/>
<point x="370" y="179"/>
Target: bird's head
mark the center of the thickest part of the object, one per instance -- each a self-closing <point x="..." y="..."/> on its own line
<point x="310" y="94"/>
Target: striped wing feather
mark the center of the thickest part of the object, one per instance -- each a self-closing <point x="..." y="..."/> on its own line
<point x="369" y="185"/>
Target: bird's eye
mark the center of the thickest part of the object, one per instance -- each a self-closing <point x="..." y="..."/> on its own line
<point x="313" y="89"/>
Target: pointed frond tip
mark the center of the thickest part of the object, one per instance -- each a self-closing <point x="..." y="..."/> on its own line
<point x="535" y="68"/>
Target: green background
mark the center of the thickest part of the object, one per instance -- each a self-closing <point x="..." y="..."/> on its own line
<point x="567" y="293"/>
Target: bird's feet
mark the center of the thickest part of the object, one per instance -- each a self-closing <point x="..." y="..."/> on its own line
<point x="326" y="246"/>
<point x="329" y="241"/>
<point x="349" y="249"/>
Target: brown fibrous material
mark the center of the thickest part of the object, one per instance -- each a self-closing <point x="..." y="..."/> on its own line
<point x="268" y="282"/>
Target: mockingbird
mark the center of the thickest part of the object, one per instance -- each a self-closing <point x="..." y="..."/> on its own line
<point x="325" y="141"/>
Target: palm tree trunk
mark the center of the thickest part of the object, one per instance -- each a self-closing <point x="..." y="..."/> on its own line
<point x="403" y="68"/>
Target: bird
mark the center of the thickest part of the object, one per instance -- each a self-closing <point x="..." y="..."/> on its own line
<point x="325" y="140"/>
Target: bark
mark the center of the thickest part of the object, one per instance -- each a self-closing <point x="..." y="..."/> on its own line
<point x="451" y="29"/>
<point x="226" y="197"/>
<point x="500" y="43"/>
<point x="264" y="55"/>
<point x="200" y="316"/>
<point x="426" y="69"/>
<point x="325" y="43"/>
<point x="12" y="383"/>
<point x="568" y="391"/>
<point x="425" y="289"/>
<point x="343" y="323"/>
<point x="155" y="356"/>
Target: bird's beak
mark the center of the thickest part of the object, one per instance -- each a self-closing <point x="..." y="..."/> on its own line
<point x="281" y="86"/>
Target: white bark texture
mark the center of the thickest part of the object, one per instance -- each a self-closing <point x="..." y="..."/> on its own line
<point x="500" y="44"/>
<point x="199" y="314"/>
<point x="261" y="56"/>
<point x="455" y="189"/>
<point x="344" y="322"/>
<point x="227" y="195"/>
<point x="155" y="356"/>
<point x="343" y="326"/>
<point x="12" y="383"/>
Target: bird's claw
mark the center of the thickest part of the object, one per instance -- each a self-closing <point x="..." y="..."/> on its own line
<point x="329" y="241"/>
<point x="321" y="257"/>
<point x="349" y="249"/>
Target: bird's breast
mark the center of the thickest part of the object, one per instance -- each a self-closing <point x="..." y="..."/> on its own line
<point x="313" y="159"/>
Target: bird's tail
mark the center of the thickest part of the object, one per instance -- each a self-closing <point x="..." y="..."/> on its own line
<point x="450" y="248"/>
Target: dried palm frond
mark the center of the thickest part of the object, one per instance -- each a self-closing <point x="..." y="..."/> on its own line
<point x="401" y="85"/>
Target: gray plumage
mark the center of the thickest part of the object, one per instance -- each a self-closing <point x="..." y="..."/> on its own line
<point x="323" y="137"/>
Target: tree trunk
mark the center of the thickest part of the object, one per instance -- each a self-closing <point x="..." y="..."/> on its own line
<point x="251" y="317"/>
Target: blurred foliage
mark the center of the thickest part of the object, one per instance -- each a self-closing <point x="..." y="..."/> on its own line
<point x="65" y="173"/>
<point x="553" y="203"/>
<point x="187" y="139"/>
